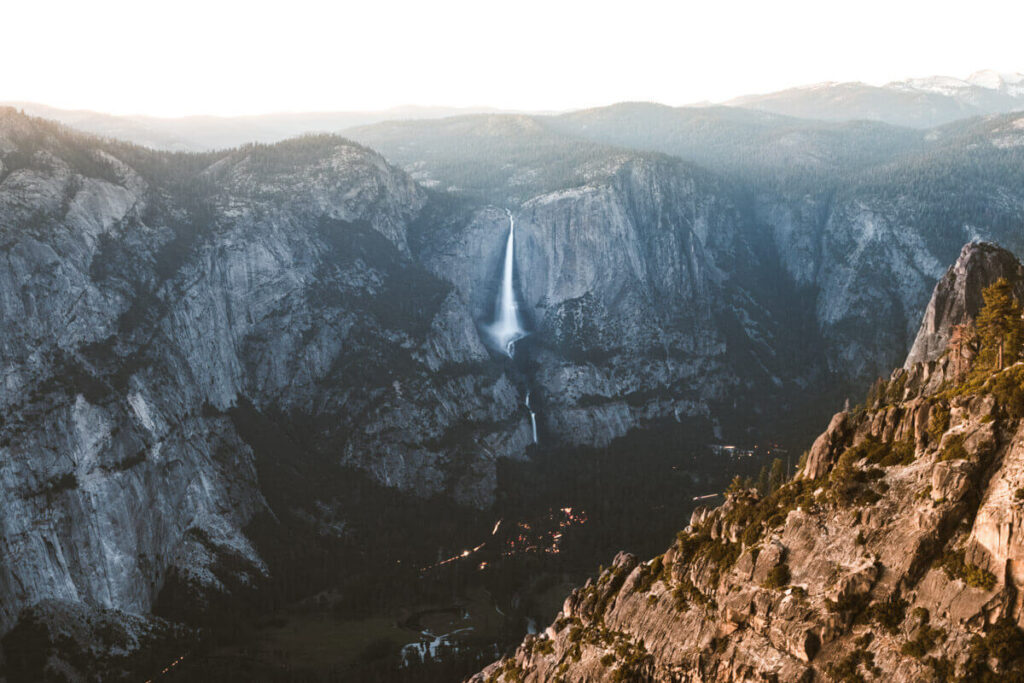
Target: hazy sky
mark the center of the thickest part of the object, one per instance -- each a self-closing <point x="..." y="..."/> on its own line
<point x="207" y="56"/>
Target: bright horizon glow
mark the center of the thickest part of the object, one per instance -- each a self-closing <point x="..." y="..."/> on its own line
<point x="229" y="58"/>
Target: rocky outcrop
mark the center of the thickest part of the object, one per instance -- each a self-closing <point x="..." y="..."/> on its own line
<point x="821" y="455"/>
<point x="997" y="541"/>
<point x="883" y="562"/>
<point x="957" y="296"/>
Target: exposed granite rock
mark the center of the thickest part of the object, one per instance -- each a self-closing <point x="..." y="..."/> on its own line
<point x="145" y="295"/>
<point x="644" y="294"/>
<point x="996" y="536"/>
<point x="957" y="296"/>
<point x="824" y="450"/>
<point x="950" y="481"/>
<point x="704" y="618"/>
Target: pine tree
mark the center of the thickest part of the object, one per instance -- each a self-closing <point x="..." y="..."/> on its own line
<point x="762" y="481"/>
<point x="876" y="395"/>
<point x="778" y="475"/>
<point x="740" y="484"/>
<point x="963" y="347"/>
<point x="999" y="326"/>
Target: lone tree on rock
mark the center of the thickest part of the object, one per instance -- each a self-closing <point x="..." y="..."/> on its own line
<point x="777" y="478"/>
<point x="999" y="326"/>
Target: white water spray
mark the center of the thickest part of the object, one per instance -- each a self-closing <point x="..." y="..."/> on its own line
<point x="507" y="328"/>
<point x="533" y="417"/>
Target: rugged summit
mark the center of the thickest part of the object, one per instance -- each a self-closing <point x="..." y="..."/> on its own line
<point x="957" y="296"/>
<point x="895" y="553"/>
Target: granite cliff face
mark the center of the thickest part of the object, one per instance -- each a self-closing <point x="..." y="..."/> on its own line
<point x="865" y="217"/>
<point x="855" y="220"/>
<point x="957" y="297"/>
<point x="144" y="297"/>
<point x="644" y="293"/>
<point x="895" y="553"/>
<point x="623" y="277"/>
<point x="152" y="301"/>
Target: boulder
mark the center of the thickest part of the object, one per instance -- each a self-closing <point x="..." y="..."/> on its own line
<point x="951" y="480"/>
<point x="823" y="452"/>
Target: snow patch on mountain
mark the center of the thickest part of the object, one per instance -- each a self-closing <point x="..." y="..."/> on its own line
<point x="965" y="89"/>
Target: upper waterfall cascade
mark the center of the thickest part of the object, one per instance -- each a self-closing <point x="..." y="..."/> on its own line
<point x="508" y="327"/>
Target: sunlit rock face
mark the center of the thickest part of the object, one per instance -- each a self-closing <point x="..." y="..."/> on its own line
<point x="958" y="296"/>
<point x="997" y="537"/>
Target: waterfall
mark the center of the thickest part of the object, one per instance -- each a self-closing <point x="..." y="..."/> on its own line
<point x="507" y="327"/>
<point x="533" y="417"/>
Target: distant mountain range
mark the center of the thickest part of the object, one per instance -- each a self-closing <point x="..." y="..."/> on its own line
<point x="204" y="133"/>
<point x="914" y="103"/>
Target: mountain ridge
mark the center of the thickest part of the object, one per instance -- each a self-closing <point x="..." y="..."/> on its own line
<point x="915" y="102"/>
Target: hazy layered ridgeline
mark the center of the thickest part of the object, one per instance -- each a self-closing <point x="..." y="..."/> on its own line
<point x="921" y="103"/>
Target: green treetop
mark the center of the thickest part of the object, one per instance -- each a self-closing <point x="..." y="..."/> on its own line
<point x="999" y="327"/>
